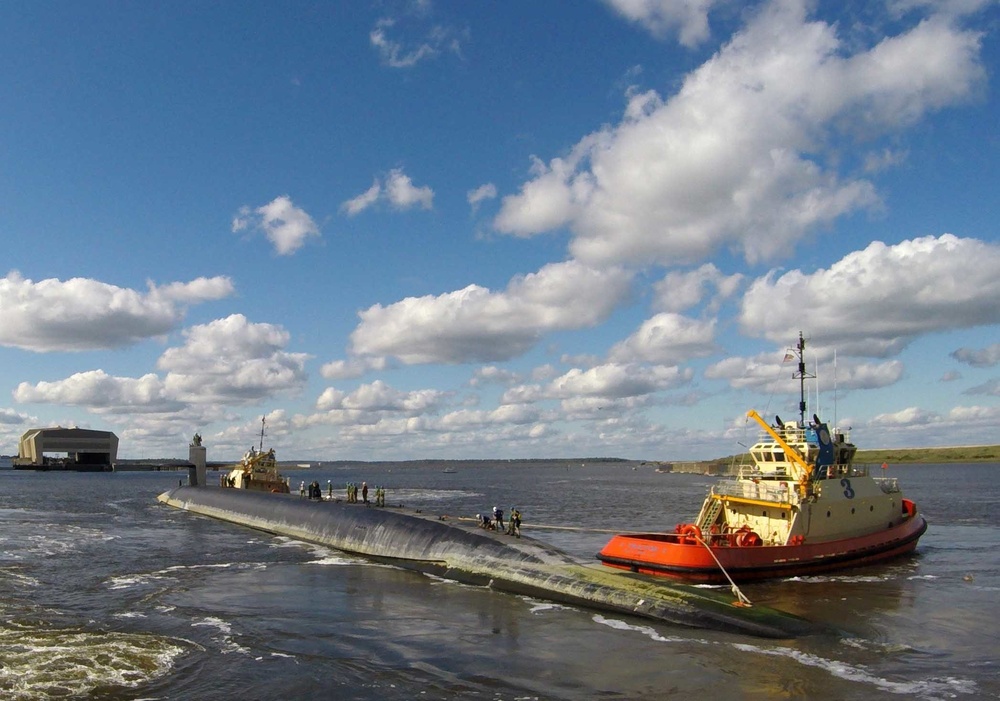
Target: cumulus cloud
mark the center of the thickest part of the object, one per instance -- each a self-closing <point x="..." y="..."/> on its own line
<point x="491" y="374"/>
<point x="616" y="380"/>
<point x="477" y="325"/>
<point x="873" y="302"/>
<point x="681" y="290"/>
<point x="979" y="358"/>
<point x="767" y="373"/>
<point x="352" y="367"/>
<point x="398" y="190"/>
<point x="363" y="201"/>
<point x="403" y="194"/>
<point x="226" y="361"/>
<point x="9" y="417"/>
<point x="744" y="154"/>
<point x="659" y="17"/>
<point x="82" y="314"/>
<point x="232" y="360"/>
<point x="481" y="194"/>
<point x="381" y="397"/>
<point x="100" y="392"/>
<point x="667" y="339"/>
<point x="914" y="426"/>
<point x="286" y="226"/>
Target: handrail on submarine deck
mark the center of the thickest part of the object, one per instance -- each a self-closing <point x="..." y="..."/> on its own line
<point x="558" y="528"/>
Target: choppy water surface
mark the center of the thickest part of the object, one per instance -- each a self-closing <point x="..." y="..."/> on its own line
<point x="104" y="593"/>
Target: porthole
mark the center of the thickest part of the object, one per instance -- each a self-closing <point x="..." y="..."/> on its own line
<point x="852" y="509"/>
<point x="871" y="508"/>
<point x="828" y="514"/>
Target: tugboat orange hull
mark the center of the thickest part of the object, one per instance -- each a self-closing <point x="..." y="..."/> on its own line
<point x="665" y="555"/>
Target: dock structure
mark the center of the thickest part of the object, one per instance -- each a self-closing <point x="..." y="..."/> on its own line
<point x="58" y="448"/>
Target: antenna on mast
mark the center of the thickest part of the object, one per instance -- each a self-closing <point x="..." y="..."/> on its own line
<point x="801" y="375"/>
<point x="261" y="448"/>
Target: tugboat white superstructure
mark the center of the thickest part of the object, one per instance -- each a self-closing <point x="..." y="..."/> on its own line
<point x="801" y="507"/>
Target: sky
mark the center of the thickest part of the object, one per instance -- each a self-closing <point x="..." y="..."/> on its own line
<point x="459" y="230"/>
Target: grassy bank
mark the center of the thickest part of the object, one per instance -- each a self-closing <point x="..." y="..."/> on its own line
<point x="902" y="456"/>
<point x="976" y="453"/>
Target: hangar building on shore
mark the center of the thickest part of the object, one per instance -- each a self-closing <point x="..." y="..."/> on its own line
<point x="60" y="448"/>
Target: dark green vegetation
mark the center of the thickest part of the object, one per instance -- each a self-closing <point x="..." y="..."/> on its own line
<point x="902" y="456"/>
<point x="973" y="453"/>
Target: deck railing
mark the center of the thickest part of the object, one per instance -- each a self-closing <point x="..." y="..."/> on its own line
<point x="764" y="490"/>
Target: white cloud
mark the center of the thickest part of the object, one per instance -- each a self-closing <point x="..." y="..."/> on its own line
<point x="380" y="397"/>
<point x="666" y="339"/>
<point x="232" y="360"/>
<point x="362" y="201"/>
<point x="481" y="194"/>
<point x="398" y="189"/>
<point x="767" y="374"/>
<point x="679" y="291"/>
<point x="477" y="325"/>
<point x="403" y="194"/>
<point x="911" y="416"/>
<point x="491" y="374"/>
<point x="875" y="301"/>
<point x="744" y="155"/>
<point x="82" y="314"/>
<point x="9" y="417"/>
<point x="100" y="392"/>
<point x="979" y="358"/>
<point x="615" y="381"/>
<point x="352" y="367"/>
<point x="286" y="226"/>
<point x="406" y="53"/>
<point x="659" y="17"/>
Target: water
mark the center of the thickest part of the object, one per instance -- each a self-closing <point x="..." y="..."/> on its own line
<point x="106" y="594"/>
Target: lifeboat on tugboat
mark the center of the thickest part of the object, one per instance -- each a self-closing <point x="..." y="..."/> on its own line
<point x="802" y="507"/>
<point x="257" y="471"/>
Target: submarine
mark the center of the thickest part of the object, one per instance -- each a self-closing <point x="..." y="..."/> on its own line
<point x="466" y="553"/>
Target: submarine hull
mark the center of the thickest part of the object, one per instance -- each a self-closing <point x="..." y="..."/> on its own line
<point x="473" y="555"/>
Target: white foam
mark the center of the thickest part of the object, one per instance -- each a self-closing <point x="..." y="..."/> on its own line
<point x="939" y="688"/>
<point x="66" y="663"/>
<point x="648" y="631"/>
<point x="225" y="639"/>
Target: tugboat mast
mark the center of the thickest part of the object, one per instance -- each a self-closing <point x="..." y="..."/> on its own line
<point x="801" y="375"/>
<point x="261" y="447"/>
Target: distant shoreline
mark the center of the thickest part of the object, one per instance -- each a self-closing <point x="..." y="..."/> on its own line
<point x="975" y="453"/>
<point x="915" y="456"/>
<point x="891" y="456"/>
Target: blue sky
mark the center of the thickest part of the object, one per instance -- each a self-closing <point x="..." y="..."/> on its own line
<point x="498" y="230"/>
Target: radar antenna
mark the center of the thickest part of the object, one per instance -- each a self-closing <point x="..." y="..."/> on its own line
<point x="801" y="375"/>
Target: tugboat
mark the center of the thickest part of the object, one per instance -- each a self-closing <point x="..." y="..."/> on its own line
<point x="257" y="471"/>
<point x="802" y="507"/>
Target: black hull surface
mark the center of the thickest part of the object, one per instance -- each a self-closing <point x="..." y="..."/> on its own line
<point x="472" y="555"/>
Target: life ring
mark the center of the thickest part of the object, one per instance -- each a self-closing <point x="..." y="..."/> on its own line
<point x="690" y="534"/>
